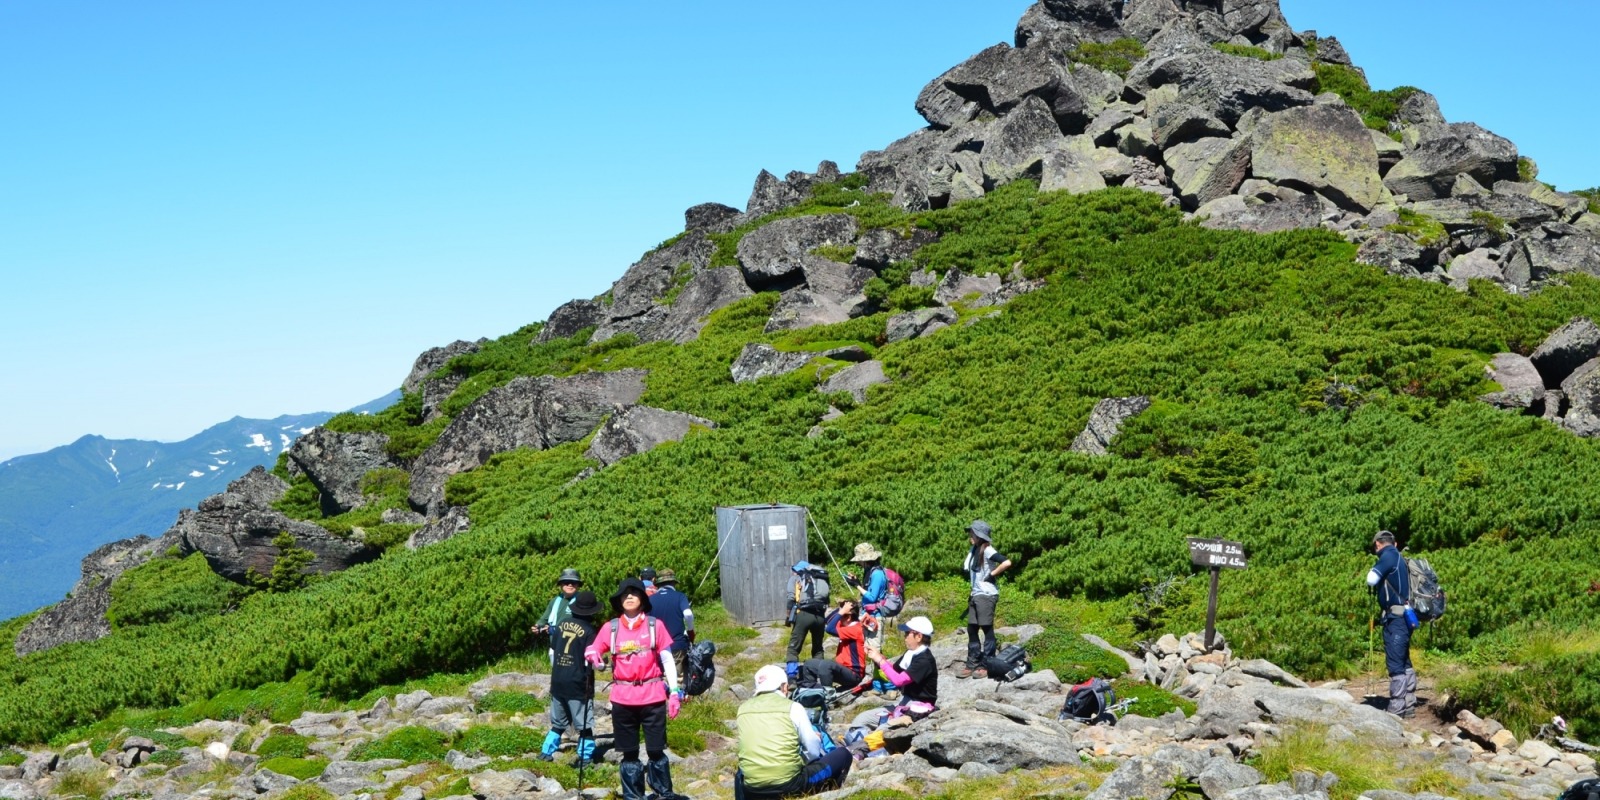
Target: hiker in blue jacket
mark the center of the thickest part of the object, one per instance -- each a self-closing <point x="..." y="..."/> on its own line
<point x="1390" y="580"/>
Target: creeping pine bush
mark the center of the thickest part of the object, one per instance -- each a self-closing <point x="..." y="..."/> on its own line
<point x="284" y="745"/>
<point x="1378" y="108"/>
<point x="299" y="768"/>
<point x="1118" y="56"/>
<point x="168" y="589"/>
<point x="1224" y="330"/>
<point x="411" y="744"/>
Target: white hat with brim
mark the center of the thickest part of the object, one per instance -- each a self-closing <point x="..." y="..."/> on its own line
<point x="918" y="625"/>
<point x="770" y="678"/>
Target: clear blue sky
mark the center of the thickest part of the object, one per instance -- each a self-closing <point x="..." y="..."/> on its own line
<point x="217" y="209"/>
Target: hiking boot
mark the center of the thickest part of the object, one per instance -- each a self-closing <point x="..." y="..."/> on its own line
<point x="965" y="671"/>
<point x="980" y="673"/>
<point x="544" y="757"/>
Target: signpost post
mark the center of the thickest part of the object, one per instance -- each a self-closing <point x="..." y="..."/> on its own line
<point x="1215" y="555"/>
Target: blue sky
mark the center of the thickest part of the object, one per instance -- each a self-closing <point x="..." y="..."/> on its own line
<point x="219" y="209"/>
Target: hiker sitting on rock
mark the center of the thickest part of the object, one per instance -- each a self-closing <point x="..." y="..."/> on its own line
<point x="915" y="673"/>
<point x="780" y="754"/>
<point x="644" y="689"/>
<point x="848" y="667"/>
<point x="572" y="680"/>
<point x="1391" y="581"/>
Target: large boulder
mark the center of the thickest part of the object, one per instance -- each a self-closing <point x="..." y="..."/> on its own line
<point x="1286" y="210"/>
<point x="571" y="317"/>
<point x="529" y="412"/>
<point x="774" y="254"/>
<point x="1565" y="349"/>
<point x="453" y="523"/>
<point x="921" y="322"/>
<point x="1419" y="108"/>
<point x="336" y="462"/>
<point x="1321" y="148"/>
<point x="682" y="319"/>
<point x="1105" y="421"/>
<point x="803" y="308"/>
<point x="639" y="429"/>
<point x="81" y="617"/>
<point x="434" y="358"/>
<point x="1443" y="151"/>
<point x="1206" y="169"/>
<point x="1224" y="711"/>
<point x="855" y="380"/>
<point x="1479" y="264"/>
<point x="1568" y="207"/>
<point x="757" y="361"/>
<point x="1521" y="387"/>
<point x="1178" y="122"/>
<point x="1015" y="145"/>
<point x="1104" y="15"/>
<point x="1141" y="776"/>
<point x="1001" y="742"/>
<point x="994" y="81"/>
<point x="714" y="217"/>
<point x="654" y="275"/>
<point x="1395" y="252"/>
<point x="1582" y="390"/>
<point x="235" y="532"/>
<point x="957" y="285"/>
<point x="1551" y="256"/>
<point x="1071" y="170"/>
<point x="883" y="247"/>
<point x="434" y="392"/>
<point x="1469" y="212"/>
<point x="772" y="193"/>
<point x="839" y="282"/>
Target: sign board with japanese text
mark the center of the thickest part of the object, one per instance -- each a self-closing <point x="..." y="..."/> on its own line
<point x="1217" y="553"/>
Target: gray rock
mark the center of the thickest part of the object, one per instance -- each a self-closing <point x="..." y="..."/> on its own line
<point x="1565" y="349"/>
<point x="652" y="277"/>
<point x="454" y="522"/>
<point x="1136" y="139"/>
<point x="491" y="784"/>
<point x="1097" y="15"/>
<point x="1330" y="51"/>
<point x="336" y="463"/>
<point x="775" y="252"/>
<point x="1551" y="257"/>
<point x="407" y="703"/>
<point x="1395" y="252"/>
<point x="995" y="81"/>
<point x="17" y="790"/>
<point x="356" y="770"/>
<point x="401" y="516"/>
<point x="836" y="282"/>
<point x="1326" y="149"/>
<point x="957" y="285"/>
<point x="265" y="780"/>
<point x="1269" y="791"/>
<point x="855" y="380"/>
<point x="1465" y="213"/>
<point x="1140" y="777"/>
<point x="38" y="765"/>
<point x="1420" y="108"/>
<point x="1147" y="176"/>
<point x="682" y="320"/>
<point x="639" y="429"/>
<point x="1582" y="392"/>
<point x="529" y="412"/>
<point x="914" y="324"/>
<point x="571" y="317"/>
<point x="803" y="308"/>
<point x="1568" y="207"/>
<point x="440" y="706"/>
<point x="709" y="217"/>
<point x="1015" y="146"/>
<point x="81" y="617"/>
<point x="882" y="247"/>
<point x="1067" y="169"/>
<point x="1478" y="264"/>
<point x="435" y="391"/>
<point x="1443" y="151"/>
<point x="434" y="358"/>
<point x="1226" y="87"/>
<point x="1179" y="122"/>
<point x="1261" y="668"/>
<point x="757" y="361"/>
<point x="1102" y="130"/>
<point x="1134" y="664"/>
<point x="1105" y="421"/>
<point x="770" y="194"/>
<point x="1207" y="169"/>
<point x="1521" y="387"/>
<point x="997" y="741"/>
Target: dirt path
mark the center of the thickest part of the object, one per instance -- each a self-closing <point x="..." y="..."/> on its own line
<point x="1373" y="689"/>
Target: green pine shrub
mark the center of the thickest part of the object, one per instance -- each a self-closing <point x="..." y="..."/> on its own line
<point x="1118" y="56"/>
<point x="1151" y="701"/>
<point x="169" y="589"/>
<point x="284" y="745"/>
<point x="1246" y="51"/>
<point x="504" y="702"/>
<point x="303" y="769"/>
<point x="411" y="744"/>
<point x="1593" y="196"/>
<point x="499" y="740"/>
<point x="11" y="758"/>
<point x="306" y="791"/>
<point x="1378" y="108"/>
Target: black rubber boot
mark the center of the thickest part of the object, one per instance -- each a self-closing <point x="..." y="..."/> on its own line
<point x="632" y="780"/>
<point x="661" y="780"/>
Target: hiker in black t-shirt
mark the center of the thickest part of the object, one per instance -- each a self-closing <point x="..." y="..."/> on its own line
<point x="572" y="679"/>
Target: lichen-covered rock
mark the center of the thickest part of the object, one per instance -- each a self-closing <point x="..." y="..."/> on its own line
<point x="855" y="380"/>
<point x="571" y="317"/>
<point x="640" y="429"/>
<point x="1178" y="122"/>
<point x="654" y="275"/>
<point x="1326" y="149"/>
<point x="758" y="360"/>
<point x="680" y="319"/>
<point x="775" y="253"/>
<point x="1443" y="151"/>
<point x="995" y="81"/>
<point x="235" y="532"/>
<point x="1565" y="349"/>
<point x="1420" y="108"/>
<point x="1207" y="169"/>
<point x="451" y="524"/>
<point x="921" y="322"/>
<point x="1582" y="392"/>
<point x="529" y="412"/>
<point x="803" y="308"/>
<point x="709" y="217"/>
<point x="1468" y="212"/>
<point x="1521" y="386"/>
<point x="882" y="247"/>
<point x="997" y="741"/>
<point x="1395" y="252"/>
<point x="957" y="285"/>
<point x="336" y="463"/>
<point x="1105" y="421"/>
<point x="1568" y="207"/>
<point x="434" y="358"/>
<point x="772" y="193"/>
<point x="1478" y="264"/>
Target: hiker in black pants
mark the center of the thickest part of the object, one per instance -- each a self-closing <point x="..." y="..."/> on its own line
<point x="1391" y="581"/>
<point x="808" y="610"/>
<point x="982" y="565"/>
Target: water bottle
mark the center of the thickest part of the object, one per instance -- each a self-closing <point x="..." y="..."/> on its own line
<point x="1411" y="618"/>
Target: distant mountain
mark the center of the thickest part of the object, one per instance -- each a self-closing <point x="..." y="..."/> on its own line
<point x="58" y="505"/>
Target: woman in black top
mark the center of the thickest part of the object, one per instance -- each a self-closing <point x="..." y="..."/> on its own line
<point x="915" y="673"/>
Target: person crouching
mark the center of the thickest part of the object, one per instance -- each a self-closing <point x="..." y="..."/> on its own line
<point x="780" y="754"/>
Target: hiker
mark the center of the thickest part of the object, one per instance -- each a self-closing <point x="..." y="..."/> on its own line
<point x="875" y="590"/>
<point x="644" y="689"/>
<point x="915" y="673"/>
<point x="983" y="565"/>
<point x="848" y="668"/>
<point x="808" y="604"/>
<point x="572" y="680"/>
<point x="780" y="753"/>
<point x="672" y="607"/>
<point x="648" y="577"/>
<point x="559" y="609"/>
<point x="1390" y="580"/>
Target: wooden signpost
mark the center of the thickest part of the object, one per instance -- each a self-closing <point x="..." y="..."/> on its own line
<point x="1215" y="555"/>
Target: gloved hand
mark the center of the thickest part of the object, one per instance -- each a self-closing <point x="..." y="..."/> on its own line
<point x="674" y="704"/>
<point x="852" y="580"/>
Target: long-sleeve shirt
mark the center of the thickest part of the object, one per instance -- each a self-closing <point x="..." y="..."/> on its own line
<point x="915" y="674"/>
<point x="877" y="589"/>
<point x="852" y="641"/>
<point x="1391" y="579"/>
<point x="640" y="675"/>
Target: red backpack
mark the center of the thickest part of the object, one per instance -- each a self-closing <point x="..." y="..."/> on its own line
<point x="895" y="598"/>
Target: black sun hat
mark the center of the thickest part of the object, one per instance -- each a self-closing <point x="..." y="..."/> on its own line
<point x="631" y="585"/>
<point x="584" y="604"/>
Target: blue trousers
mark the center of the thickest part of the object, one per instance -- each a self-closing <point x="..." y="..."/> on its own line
<point x="1397" y="659"/>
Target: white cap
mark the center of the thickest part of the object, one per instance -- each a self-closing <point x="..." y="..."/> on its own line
<point x="920" y="625"/>
<point x="770" y="678"/>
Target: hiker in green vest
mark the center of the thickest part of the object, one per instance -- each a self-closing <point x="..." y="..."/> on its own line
<point x="780" y="753"/>
<point x="560" y="609"/>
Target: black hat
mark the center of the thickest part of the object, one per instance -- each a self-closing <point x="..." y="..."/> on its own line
<point x="631" y="585"/>
<point x="570" y="575"/>
<point x="647" y="574"/>
<point x="584" y="604"/>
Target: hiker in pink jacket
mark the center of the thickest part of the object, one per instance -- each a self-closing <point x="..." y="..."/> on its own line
<point x="644" y="689"/>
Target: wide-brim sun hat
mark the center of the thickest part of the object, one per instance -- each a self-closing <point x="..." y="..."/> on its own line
<point x="981" y="529"/>
<point x="584" y="604"/>
<point x="569" y="575"/>
<point x="866" y="552"/>
<point x="920" y="625"/>
<point x="631" y="585"/>
<point x="770" y="678"/>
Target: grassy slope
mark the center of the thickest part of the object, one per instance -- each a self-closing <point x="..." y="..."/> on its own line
<point x="1234" y="334"/>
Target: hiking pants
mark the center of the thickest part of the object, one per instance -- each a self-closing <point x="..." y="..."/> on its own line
<point x="825" y="773"/>
<point x="1397" y="659"/>
<point x="980" y="618"/>
<point x="805" y="623"/>
<point x="826" y="672"/>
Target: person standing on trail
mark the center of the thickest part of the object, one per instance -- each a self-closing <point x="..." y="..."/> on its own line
<point x="572" y="680"/>
<point x="644" y="689"/>
<point x="672" y="607"/>
<point x="560" y="609"/>
<point x="874" y="587"/>
<point x="982" y="566"/>
<point x="808" y="609"/>
<point x="1391" y="581"/>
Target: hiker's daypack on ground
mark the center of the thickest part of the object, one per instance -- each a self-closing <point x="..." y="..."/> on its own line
<point x="1009" y="664"/>
<point x="1089" y="701"/>
<point x="895" y="598"/>
<point x="702" y="672"/>
<point x="1427" y="596"/>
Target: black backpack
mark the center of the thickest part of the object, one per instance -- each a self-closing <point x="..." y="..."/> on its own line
<point x="702" y="672"/>
<point x="1583" y="790"/>
<point x="1089" y="702"/>
<point x="1009" y="664"/>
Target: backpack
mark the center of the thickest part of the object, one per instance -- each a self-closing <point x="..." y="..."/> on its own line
<point x="1089" y="701"/>
<point x="1009" y="664"/>
<point x="649" y="623"/>
<point x="1583" y="790"/>
<point x="894" y="600"/>
<point x="1427" y="596"/>
<point x="702" y="672"/>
